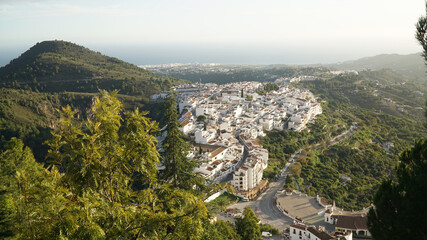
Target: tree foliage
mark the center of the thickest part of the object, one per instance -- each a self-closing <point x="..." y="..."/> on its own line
<point x="295" y="169"/>
<point x="178" y="167"/>
<point x="87" y="191"/>
<point x="247" y="226"/>
<point x="421" y="34"/>
<point x="269" y="228"/>
<point x="201" y="118"/>
<point x="220" y="230"/>
<point x="20" y="178"/>
<point x="289" y="182"/>
<point x="400" y="206"/>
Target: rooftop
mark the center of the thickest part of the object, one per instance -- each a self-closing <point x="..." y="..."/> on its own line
<point x="354" y="222"/>
<point x="298" y="225"/>
<point x="322" y="235"/>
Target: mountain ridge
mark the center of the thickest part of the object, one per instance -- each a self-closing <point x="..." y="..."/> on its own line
<point x="411" y="65"/>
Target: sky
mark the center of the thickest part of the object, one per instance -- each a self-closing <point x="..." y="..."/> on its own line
<point x="221" y="31"/>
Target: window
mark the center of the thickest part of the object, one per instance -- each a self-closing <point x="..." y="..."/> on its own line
<point x="294" y="231"/>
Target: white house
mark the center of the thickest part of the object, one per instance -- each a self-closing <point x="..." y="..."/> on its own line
<point x="217" y="154"/>
<point x="188" y="103"/>
<point x="204" y="137"/>
<point x="278" y="124"/>
<point x="248" y="175"/>
<point x="354" y="223"/>
<point x="348" y="222"/>
<point x="260" y="153"/>
<point x="301" y="231"/>
<point x="187" y="123"/>
<point x="267" y="123"/>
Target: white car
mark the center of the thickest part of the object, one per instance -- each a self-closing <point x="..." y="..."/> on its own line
<point x="266" y="234"/>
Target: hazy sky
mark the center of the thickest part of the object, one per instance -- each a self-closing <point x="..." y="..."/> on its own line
<point x="224" y="31"/>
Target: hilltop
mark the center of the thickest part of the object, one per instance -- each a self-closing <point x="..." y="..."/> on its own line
<point x="56" y="66"/>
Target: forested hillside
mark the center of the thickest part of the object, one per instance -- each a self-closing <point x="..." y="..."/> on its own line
<point x="385" y="107"/>
<point x="373" y="99"/>
<point x="411" y="65"/>
<point x="56" y="66"/>
<point x="31" y="116"/>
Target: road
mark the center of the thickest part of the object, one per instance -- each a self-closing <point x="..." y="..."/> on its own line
<point x="265" y="205"/>
<point x="267" y="210"/>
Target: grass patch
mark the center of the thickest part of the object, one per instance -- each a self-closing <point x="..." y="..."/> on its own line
<point x="223" y="201"/>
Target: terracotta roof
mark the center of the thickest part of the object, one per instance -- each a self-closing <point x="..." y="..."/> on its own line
<point x="216" y="162"/>
<point x="351" y="222"/>
<point x="323" y="201"/>
<point x="185" y="122"/>
<point x="322" y="235"/>
<point x="207" y="147"/>
<point x="298" y="225"/>
<point x="217" y="151"/>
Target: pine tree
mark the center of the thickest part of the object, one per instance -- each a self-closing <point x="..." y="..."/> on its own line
<point x="400" y="206"/>
<point x="178" y="167"/>
<point x="421" y="34"/>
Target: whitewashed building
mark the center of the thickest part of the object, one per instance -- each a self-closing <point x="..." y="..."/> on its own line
<point x="301" y="231"/>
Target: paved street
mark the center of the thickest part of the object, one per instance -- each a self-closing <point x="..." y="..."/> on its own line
<point x="267" y="210"/>
<point x="265" y="205"/>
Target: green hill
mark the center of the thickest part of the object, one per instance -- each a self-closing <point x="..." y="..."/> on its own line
<point x="411" y="65"/>
<point x="56" y="66"/>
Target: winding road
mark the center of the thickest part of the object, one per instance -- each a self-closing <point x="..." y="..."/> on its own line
<point x="266" y="208"/>
<point x="265" y="205"/>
